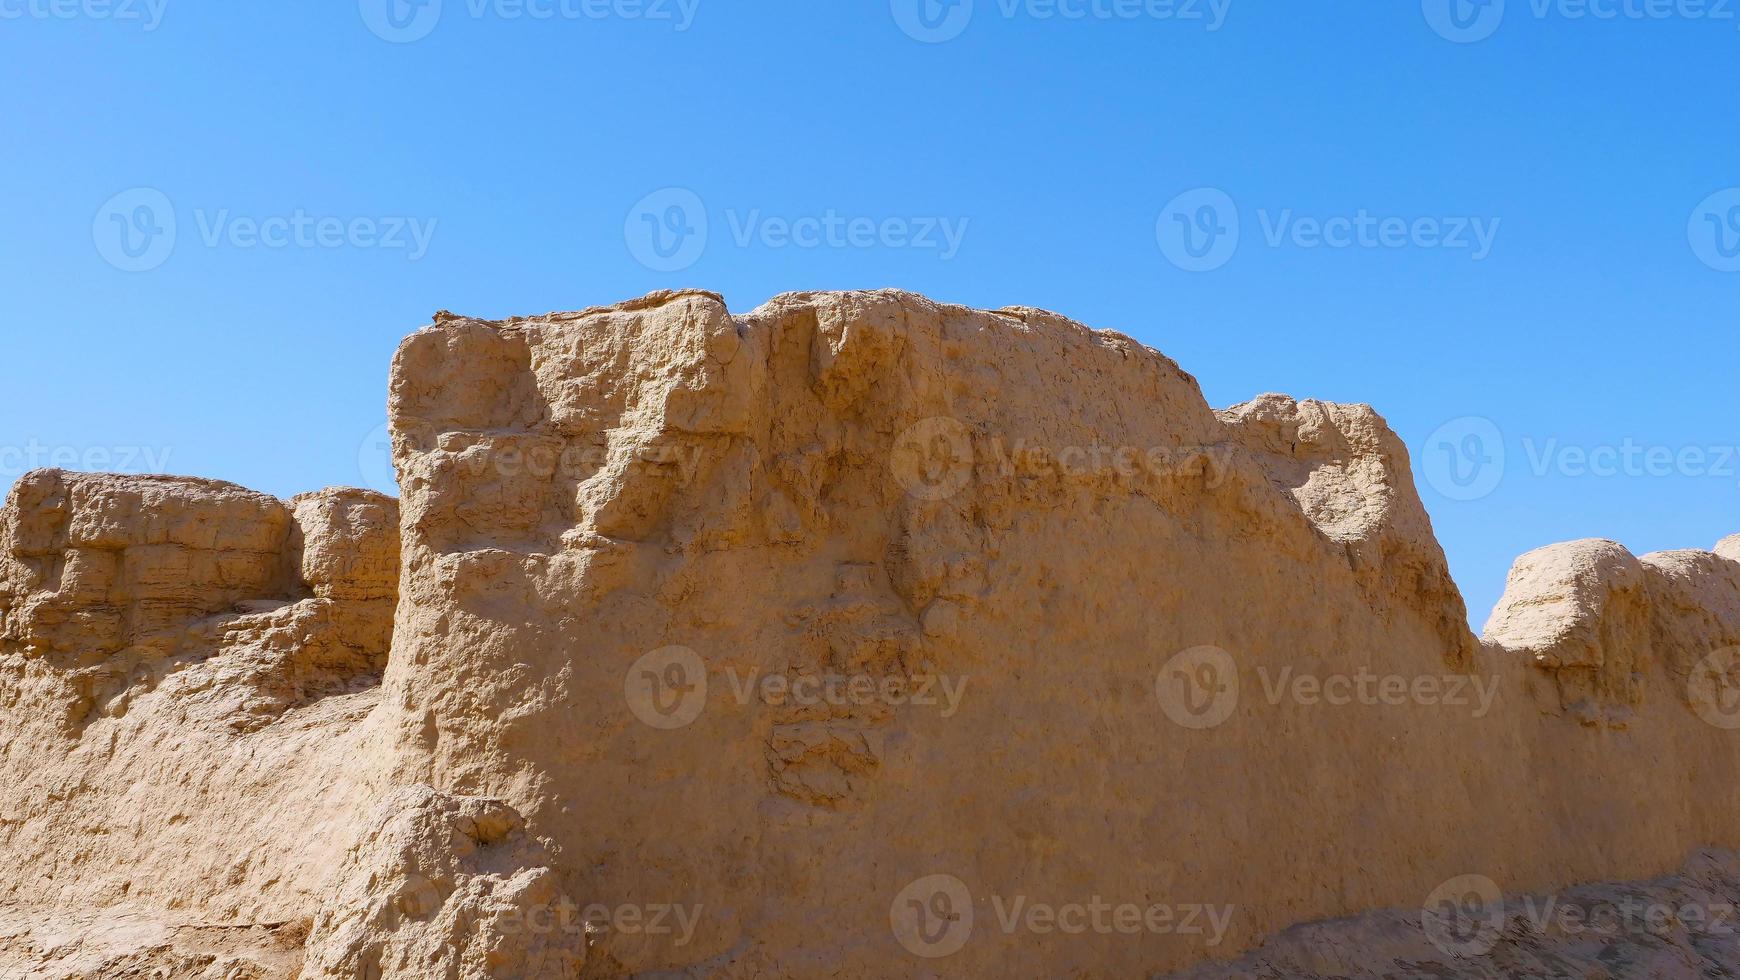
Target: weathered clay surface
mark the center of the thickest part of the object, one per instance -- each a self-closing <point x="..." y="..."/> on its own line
<point x="183" y="709"/>
<point x="787" y="625"/>
<point x="1600" y="622"/>
<point x="869" y="484"/>
<point x="63" y="942"/>
<point x="1729" y="547"/>
<point x="1350" y="476"/>
<point x="1681" y="925"/>
<point x="96" y="565"/>
<point x="439" y="886"/>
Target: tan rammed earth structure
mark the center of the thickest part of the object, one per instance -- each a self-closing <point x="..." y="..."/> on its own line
<point x="347" y="736"/>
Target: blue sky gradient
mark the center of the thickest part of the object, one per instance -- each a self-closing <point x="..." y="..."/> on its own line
<point x="1540" y="231"/>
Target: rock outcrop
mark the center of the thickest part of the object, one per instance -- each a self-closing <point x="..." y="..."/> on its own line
<point x="185" y="671"/>
<point x="1678" y="925"/>
<point x="854" y="636"/>
<point x="439" y="886"/>
<point x="1603" y="624"/>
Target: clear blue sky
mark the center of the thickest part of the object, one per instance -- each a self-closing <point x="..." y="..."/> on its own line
<point x="1066" y="154"/>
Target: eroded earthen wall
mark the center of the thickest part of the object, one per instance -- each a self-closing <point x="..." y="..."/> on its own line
<point x="185" y="669"/>
<point x="1083" y="634"/>
<point x="873" y="485"/>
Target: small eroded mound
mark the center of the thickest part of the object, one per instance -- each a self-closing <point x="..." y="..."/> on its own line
<point x="444" y="886"/>
<point x="1678" y="927"/>
<point x="1600" y="623"/>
